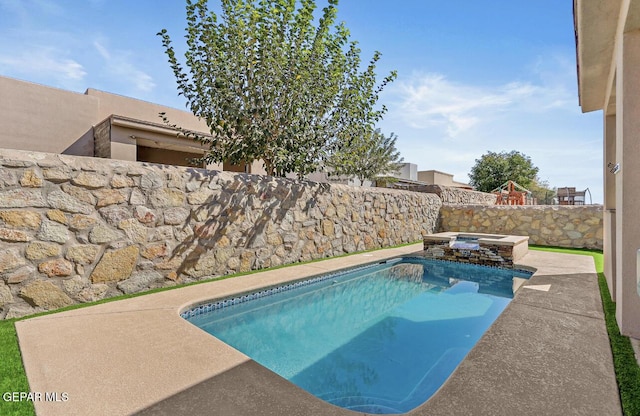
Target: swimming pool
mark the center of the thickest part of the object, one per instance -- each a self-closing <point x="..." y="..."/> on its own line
<point x="378" y="339"/>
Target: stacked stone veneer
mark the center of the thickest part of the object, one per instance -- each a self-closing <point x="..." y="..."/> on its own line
<point x="486" y="255"/>
<point x="76" y="229"/>
<point x="564" y="226"/>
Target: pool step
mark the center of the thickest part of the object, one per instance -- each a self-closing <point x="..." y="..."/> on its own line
<point x="426" y="387"/>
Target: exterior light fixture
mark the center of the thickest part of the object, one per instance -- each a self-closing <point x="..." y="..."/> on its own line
<point x="613" y="168"/>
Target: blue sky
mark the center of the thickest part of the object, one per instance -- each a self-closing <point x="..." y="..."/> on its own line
<point x="473" y="75"/>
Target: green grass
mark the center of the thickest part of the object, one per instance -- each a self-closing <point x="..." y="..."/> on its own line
<point x="624" y="361"/>
<point x="627" y="369"/>
<point x="12" y="375"/>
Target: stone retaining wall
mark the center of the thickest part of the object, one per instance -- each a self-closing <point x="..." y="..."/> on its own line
<point x="453" y="195"/>
<point x="547" y="225"/>
<point x="76" y="229"/>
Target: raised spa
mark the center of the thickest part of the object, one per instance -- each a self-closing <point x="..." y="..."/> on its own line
<point x="377" y="339"/>
<point x="476" y="248"/>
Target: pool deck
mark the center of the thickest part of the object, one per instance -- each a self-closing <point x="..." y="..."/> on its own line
<point x="548" y="353"/>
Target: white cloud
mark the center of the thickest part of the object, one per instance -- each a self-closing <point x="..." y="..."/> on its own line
<point x="102" y="50"/>
<point x="427" y="100"/>
<point x="118" y="63"/>
<point x="430" y="100"/>
<point x="446" y="124"/>
<point x="142" y="81"/>
<point x="43" y="61"/>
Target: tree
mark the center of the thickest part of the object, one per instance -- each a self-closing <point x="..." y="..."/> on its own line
<point x="366" y="156"/>
<point x="542" y="191"/>
<point x="271" y="85"/>
<point x="494" y="169"/>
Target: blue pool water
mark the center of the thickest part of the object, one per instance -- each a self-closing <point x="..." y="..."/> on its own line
<point x="381" y="339"/>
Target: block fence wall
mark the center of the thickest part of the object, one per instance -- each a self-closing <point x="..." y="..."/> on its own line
<point x="76" y="229"/>
<point x="546" y="225"/>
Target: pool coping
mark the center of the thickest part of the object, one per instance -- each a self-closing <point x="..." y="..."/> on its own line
<point x="100" y="355"/>
<point x="495" y="239"/>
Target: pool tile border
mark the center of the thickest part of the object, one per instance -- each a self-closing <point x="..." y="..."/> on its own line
<point x="202" y="308"/>
<point x="209" y="306"/>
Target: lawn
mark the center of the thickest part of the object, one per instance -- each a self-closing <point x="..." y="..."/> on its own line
<point x="12" y="375"/>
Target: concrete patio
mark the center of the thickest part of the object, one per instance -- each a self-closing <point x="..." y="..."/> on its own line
<point x="548" y="353"/>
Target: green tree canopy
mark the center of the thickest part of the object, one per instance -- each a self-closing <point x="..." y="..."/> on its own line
<point x="366" y="156"/>
<point x="494" y="169"/>
<point x="272" y="84"/>
<point x="542" y="191"/>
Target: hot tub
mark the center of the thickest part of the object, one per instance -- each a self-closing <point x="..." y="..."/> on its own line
<point x="476" y="248"/>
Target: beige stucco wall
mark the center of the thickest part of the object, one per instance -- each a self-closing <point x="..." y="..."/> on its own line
<point x="608" y="55"/>
<point x="40" y="118"/>
<point x="35" y="117"/>
<point x="434" y="177"/>
<point x="627" y="192"/>
<point x="109" y="103"/>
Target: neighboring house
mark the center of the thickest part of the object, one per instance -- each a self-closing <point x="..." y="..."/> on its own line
<point x="435" y="177"/>
<point x="342" y="179"/>
<point x="407" y="171"/>
<point x="100" y="124"/>
<point x="608" y="55"/>
<point x="409" y="178"/>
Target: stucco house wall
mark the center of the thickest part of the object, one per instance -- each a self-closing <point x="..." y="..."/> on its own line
<point x="40" y="118"/>
<point x="32" y="118"/>
<point x="608" y="56"/>
<point x="434" y="177"/>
